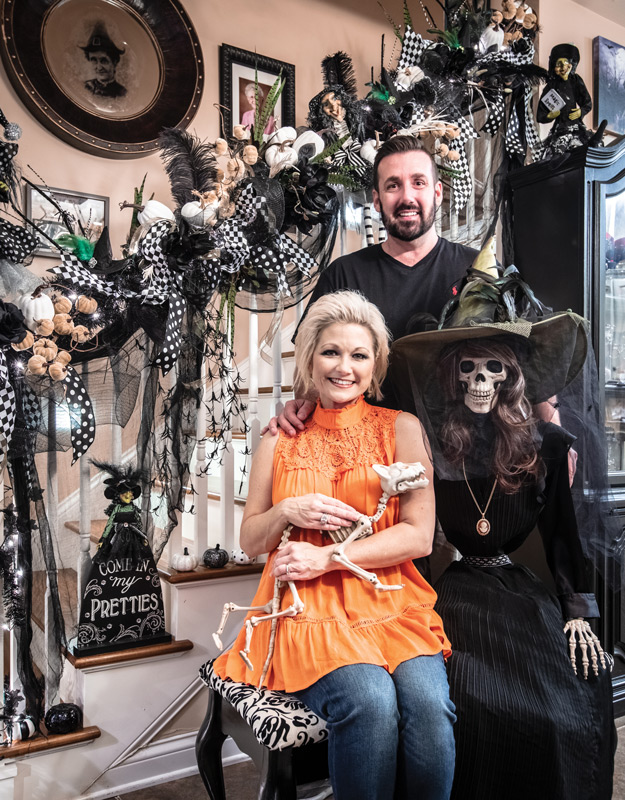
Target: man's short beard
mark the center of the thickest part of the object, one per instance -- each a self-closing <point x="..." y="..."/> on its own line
<point x="421" y="225"/>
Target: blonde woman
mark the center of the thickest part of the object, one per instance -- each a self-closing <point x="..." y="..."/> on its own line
<point x="370" y="663"/>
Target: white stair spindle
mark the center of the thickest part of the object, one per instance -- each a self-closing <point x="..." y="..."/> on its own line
<point x="470" y="207"/>
<point x="226" y="507"/>
<point x="200" y="518"/>
<point x="116" y="443"/>
<point x="276" y="404"/>
<point x="253" y="417"/>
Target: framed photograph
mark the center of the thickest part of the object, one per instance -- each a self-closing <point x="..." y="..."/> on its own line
<point x="237" y="72"/>
<point x="104" y="75"/>
<point x="90" y="210"/>
<point x="609" y="84"/>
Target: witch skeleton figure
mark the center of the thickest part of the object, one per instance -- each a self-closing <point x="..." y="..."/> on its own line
<point x="529" y="679"/>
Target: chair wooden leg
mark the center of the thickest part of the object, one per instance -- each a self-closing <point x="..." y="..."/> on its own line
<point x="210" y="739"/>
<point x="277" y="779"/>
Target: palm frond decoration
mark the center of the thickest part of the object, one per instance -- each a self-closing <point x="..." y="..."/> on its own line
<point x="262" y="114"/>
<point x="330" y="150"/>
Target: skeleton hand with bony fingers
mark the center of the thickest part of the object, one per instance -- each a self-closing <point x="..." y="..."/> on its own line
<point x="580" y="632"/>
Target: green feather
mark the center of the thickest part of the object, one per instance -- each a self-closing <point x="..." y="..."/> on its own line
<point x="82" y="248"/>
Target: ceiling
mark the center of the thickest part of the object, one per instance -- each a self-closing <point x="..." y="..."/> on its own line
<point x="614" y="10"/>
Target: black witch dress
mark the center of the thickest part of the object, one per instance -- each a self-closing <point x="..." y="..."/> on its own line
<point x="122" y="536"/>
<point x="527" y="727"/>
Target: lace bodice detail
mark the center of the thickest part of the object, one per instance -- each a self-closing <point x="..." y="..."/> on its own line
<point x="337" y="440"/>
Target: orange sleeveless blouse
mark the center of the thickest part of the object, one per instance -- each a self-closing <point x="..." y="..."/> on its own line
<point x="345" y="620"/>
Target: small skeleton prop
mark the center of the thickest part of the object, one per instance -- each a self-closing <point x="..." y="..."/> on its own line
<point x="480" y="379"/>
<point x="395" y="479"/>
<point x="579" y="629"/>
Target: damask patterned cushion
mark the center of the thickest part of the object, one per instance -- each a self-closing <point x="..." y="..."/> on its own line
<point x="277" y="719"/>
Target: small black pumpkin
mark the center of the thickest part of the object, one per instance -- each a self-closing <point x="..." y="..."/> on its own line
<point x="215" y="557"/>
<point x="63" y="718"/>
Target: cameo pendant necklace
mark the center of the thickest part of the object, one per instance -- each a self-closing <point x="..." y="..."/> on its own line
<point x="482" y="526"/>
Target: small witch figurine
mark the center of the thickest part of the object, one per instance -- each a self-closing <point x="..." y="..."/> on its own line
<point x="123" y="536"/>
<point x="565" y="101"/>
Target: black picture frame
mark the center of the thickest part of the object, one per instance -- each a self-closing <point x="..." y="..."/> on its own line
<point x="91" y="210"/>
<point x="49" y="52"/>
<point x="608" y="62"/>
<point x="237" y="68"/>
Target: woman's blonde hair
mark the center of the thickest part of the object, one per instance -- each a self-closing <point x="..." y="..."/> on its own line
<point x="342" y="308"/>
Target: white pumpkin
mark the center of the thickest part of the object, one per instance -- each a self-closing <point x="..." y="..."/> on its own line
<point x="185" y="561"/>
<point x="280" y="157"/>
<point x="309" y="137"/>
<point x="154" y="210"/>
<point x="197" y="216"/>
<point x="369" y="150"/>
<point x="34" y="307"/>
<point x="286" y="134"/>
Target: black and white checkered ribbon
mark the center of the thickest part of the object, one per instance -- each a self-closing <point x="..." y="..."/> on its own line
<point x="7" y="408"/>
<point x="462" y="183"/>
<point x="412" y="49"/>
<point x="531" y="134"/>
<point x="74" y="272"/>
<point x="160" y="277"/>
<point x="81" y="416"/>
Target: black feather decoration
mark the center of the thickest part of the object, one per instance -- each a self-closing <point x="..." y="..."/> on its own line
<point x="339" y="70"/>
<point x="190" y="164"/>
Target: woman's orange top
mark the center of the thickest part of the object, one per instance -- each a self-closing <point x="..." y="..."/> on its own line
<point x="345" y="620"/>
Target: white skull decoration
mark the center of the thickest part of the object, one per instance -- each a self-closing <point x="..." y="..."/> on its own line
<point x="480" y="378"/>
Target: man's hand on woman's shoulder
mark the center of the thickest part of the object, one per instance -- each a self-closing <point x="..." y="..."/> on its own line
<point x="291" y="419"/>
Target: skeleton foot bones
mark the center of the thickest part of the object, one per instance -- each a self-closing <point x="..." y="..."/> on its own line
<point x="395" y="479"/>
<point x="580" y="632"/>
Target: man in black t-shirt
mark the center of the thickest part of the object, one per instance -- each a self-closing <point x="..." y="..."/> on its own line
<point x="414" y="270"/>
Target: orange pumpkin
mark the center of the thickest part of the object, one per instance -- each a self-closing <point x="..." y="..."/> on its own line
<point x="37" y="365"/>
<point x="86" y="305"/>
<point x="46" y="348"/>
<point x="63" y="324"/>
<point x="63" y="357"/>
<point x="26" y="342"/>
<point x="57" y="371"/>
<point x="62" y="305"/>
<point x="80" y="334"/>
<point x="44" y="327"/>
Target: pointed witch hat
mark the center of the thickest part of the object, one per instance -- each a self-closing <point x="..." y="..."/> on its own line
<point x="551" y="347"/>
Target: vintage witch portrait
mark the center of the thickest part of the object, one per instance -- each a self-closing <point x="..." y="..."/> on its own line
<point x="103" y="56"/>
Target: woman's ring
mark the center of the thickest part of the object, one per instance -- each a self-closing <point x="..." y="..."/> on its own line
<point x="287" y="569"/>
<point x="324" y="519"/>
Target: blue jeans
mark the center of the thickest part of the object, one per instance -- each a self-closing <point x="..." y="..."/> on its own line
<point x="389" y="736"/>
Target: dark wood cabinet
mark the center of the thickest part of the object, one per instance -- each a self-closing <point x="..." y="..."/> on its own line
<point x="569" y="244"/>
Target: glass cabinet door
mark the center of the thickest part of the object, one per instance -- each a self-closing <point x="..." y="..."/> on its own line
<point x="614" y="333"/>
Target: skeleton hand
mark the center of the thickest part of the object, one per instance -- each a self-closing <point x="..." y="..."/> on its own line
<point x="579" y="629"/>
<point x="398" y="477"/>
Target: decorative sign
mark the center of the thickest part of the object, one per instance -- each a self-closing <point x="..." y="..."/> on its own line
<point x="122" y="606"/>
<point x="552" y="100"/>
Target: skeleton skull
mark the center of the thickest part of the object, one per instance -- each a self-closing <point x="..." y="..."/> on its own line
<point x="480" y="378"/>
